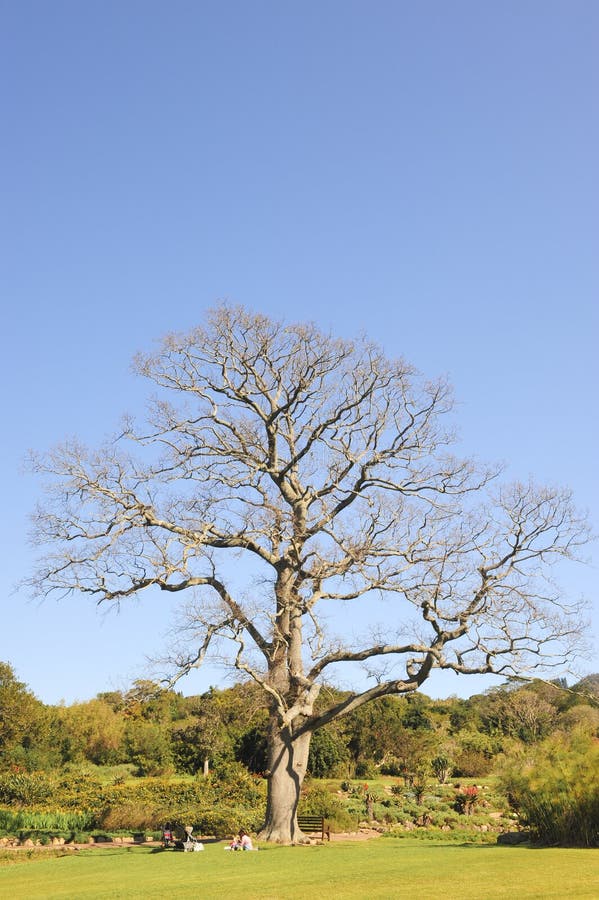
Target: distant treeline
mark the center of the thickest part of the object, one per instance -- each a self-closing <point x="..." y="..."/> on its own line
<point x="161" y="732"/>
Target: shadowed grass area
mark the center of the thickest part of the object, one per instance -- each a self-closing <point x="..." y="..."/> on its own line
<point x="376" y="869"/>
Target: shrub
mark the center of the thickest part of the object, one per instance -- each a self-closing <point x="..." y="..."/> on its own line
<point x="233" y="783"/>
<point x="392" y="767"/>
<point x="556" y="790"/>
<point x="419" y="790"/>
<point x="25" y="788"/>
<point x="78" y="790"/>
<point x="133" y="815"/>
<point x="228" y="799"/>
<point x="81" y="837"/>
<point x="227" y="820"/>
<point x="317" y="801"/>
<point x="466" y="800"/>
<point x="472" y="764"/>
<point x="366" y="768"/>
<point x="44" y="825"/>
<point x="441" y="765"/>
<point x="387" y="814"/>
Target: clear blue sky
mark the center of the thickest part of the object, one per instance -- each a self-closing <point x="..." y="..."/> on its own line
<point x="426" y="172"/>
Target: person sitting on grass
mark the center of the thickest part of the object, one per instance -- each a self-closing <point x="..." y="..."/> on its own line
<point x="242" y="842"/>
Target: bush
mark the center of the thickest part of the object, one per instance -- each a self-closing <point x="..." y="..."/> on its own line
<point x="466" y="800"/>
<point x="220" y="804"/>
<point x="58" y="822"/>
<point x="25" y="788"/>
<point x="132" y="815"/>
<point x="386" y="812"/>
<point x="78" y="790"/>
<point x="366" y="768"/>
<point x="225" y="821"/>
<point x="82" y="837"/>
<point x="441" y="766"/>
<point x="555" y="789"/>
<point x="472" y="764"/>
<point x="392" y="767"/>
<point x="317" y="801"/>
<point x="75" y="802"/>
<point x="233" y="783"/>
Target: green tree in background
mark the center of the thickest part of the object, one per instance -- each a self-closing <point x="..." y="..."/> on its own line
<point x="92" y="731"/>
<point x="25" y="725"/>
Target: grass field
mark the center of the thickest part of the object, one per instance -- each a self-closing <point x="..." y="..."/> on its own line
<point x="376" y="869"/>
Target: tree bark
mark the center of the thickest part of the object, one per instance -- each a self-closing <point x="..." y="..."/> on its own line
<point x="288" y="760"/>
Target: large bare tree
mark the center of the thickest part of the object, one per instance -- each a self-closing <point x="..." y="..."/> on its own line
<point x="328" y="466"/>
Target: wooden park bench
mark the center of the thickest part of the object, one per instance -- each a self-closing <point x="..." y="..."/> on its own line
<point x="314" y="825"/>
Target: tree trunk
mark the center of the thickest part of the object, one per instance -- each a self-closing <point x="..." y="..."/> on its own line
<point x="288" y="760"/>
<point x="370" y="807"/>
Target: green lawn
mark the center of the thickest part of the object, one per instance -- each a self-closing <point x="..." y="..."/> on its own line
<point x="376" y="869"/>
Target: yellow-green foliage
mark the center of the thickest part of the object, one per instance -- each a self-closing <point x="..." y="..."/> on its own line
<point x="318" y="801"/>
<point x="13" y="821"/>
<point x="555" y="787"/>
<point x="212" y="805"/>
<point x="219" y="804"/>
